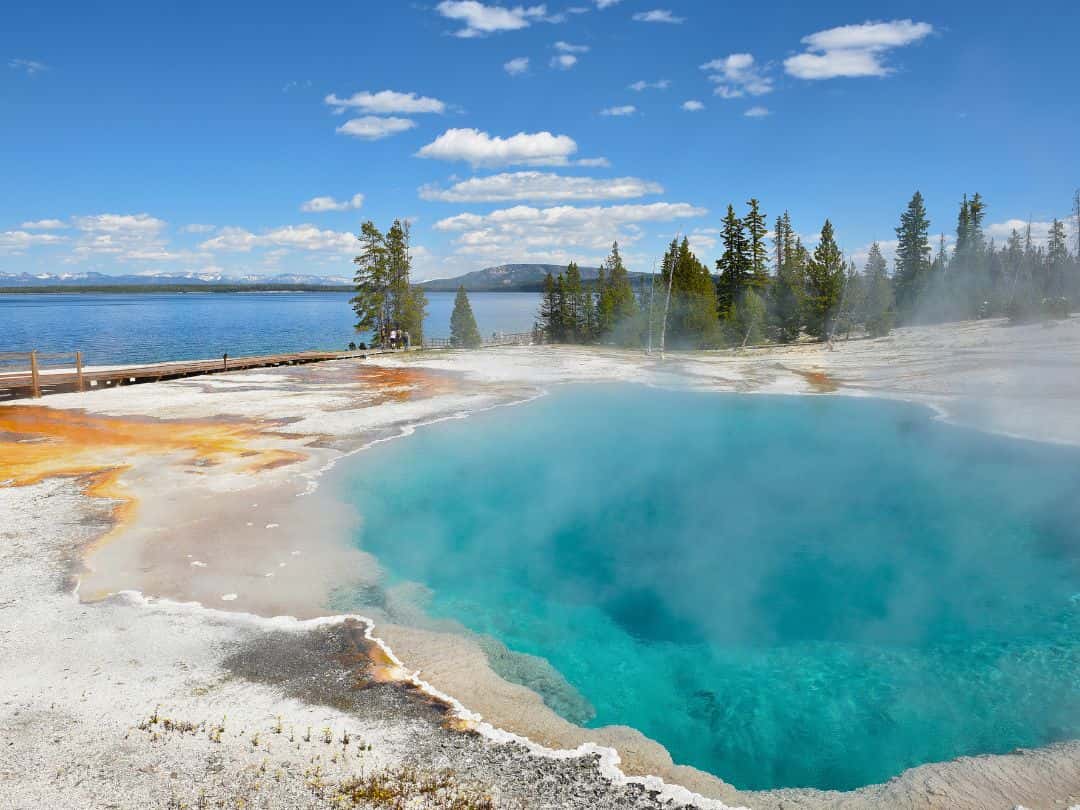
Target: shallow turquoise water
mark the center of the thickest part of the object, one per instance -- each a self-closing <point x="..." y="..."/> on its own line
<point x="805" y="591"/>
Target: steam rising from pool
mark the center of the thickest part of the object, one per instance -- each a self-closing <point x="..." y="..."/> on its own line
<point x="785" y="592"/>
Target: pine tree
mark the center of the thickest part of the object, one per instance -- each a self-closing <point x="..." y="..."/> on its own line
<point x="825" y="285"/>
<point x="407" y="304"/>
<point x="788" y="289"/>
<point x="576" y="312"/>
<point x="912" y="257"/>
<point x="605" y="306"/>
<point x="691" y="320"/>
<point x="371" y="300"/>
<point x="617" y="308"/>
<point x="734" y="265"/>
<point x="969" y="292"/>
<point x="878" y="302"/>
<point x="1057" y="261"/>
<point x="463" y="330"/>
<point x="550" y="316"/>
<point x="758" y="254"/>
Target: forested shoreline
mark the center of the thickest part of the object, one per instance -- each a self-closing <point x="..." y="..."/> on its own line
<point x="768" y="286"/>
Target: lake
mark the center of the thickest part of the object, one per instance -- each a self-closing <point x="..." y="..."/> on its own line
<point x="120" y="328"/>
<point x="783" y="591"/>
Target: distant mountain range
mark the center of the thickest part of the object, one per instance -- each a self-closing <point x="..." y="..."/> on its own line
<point x="504" y="278"/>
<point x="509" y="278"/>
<point x="166" y="280"/>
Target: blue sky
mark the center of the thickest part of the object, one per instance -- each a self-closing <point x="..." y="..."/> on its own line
<point x="248" y="138"/>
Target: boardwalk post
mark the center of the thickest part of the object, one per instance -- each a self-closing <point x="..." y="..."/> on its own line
<point x="35" y="382"/>
<point x="78" y="372"/>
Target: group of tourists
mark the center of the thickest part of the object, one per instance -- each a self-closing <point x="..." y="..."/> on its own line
<point x="399" y="339"/>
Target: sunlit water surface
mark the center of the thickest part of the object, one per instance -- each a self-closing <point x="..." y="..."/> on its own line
<point x="782" y="591"/>
<point x="144" y="327"/>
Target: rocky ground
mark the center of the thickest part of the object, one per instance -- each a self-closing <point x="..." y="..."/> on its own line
<point x="202" y="699"/>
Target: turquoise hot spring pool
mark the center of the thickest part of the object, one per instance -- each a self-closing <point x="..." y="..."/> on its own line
<point x="783" y="591"/>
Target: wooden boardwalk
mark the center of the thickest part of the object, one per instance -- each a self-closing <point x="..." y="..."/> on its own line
<point x="36" y="377"/>
<point x="34" y="374"/>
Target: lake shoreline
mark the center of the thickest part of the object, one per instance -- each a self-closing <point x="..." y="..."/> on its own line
<point x="322" y="416"/>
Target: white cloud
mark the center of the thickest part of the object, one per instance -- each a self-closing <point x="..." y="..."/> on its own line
<point x="566" y="47"/>
<point x="662" y="84"/>
<point x="44" y="225"/>
<point x="658" y="15"/>
<point x="119" y="223"/>
<point x="123" y="236"/>
<point x="30" y="67"/>
<point x="480" y="19"/>
<point x="693" y="105"/>
<point x="372" y="128"/>
<point x="737" y="75"/>
<point x="386" y="102"/>
<point x="563" y="61"/>
<point x="481" y="149"/>
<point x="757" y="112"/>
<point x="594" y="163"/>
<point x="301" y="237"/>
<point x="869" y="36"/>
<point x="834" y="64"/>
<point x="515" y="67"/>
<point x="1040" y="229"/>
<point x="702" y="241"/>
<point x="556" y="233"/>
<point x="520" y="186"/>
<point x="854" y="50"/>
<point x="319" y="205"/>
<point x="602" y="4"/>
<point x="619" y="112"/>
<point x="17" y="241"/>
<point x="198" y="227"/>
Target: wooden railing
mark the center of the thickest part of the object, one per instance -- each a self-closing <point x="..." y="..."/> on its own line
<point x="35" y="362"/>
<point x="496" y="339"/>
<point x="34" y="373"/>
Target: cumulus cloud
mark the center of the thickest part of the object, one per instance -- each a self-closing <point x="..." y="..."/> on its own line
<point x="17" y="241"/>
<point x="520" y="186"/>
<point x="300" y="237"/>
<point x="479" y="19"/>
<point x="693" y="105"/>
<point x="658" y="15"/>
<point x="621" y="111"/>
<point x="661" y="84"/>
<point x="563" y="61"/>
<point x="198" y="227"/>
<point x="515" y="67"/>
<point x="372" y="128"/>
<point x="738" y="75"/>
<point x="119" y="223"/>
<point x="757" y="112"/>
<point x="566" y="47"/>
<point x="43" y="225"/>
<point x="854" y="50"/>
<point x="319" y="205"/>
<point x="123" y="236"/>
<point x="481" y="149"/>
<point x="558" y="232"/>
<point x="386" y="102"/>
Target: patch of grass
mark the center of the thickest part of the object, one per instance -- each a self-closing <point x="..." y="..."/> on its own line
<point x="407" y="787"/>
